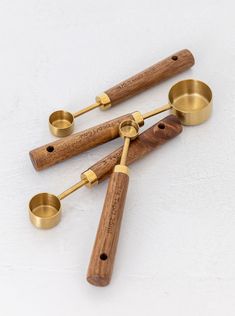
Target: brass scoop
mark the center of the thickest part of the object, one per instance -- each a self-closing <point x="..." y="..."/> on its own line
<point x="45" y="208"/>
<point x="104" y="250"/>
<point x="190" y="100"/>
<point x="61" y="123"/>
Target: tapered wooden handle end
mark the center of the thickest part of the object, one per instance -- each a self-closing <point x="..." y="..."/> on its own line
<point x="166" y="68"/>
<point x="104" y="250"/>
<point x="98" y="280"/>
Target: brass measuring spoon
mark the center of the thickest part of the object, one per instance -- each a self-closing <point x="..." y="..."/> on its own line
<point x="104" y="250"/>
<point x="190" y="100"/>
<point x="45" y="208"/>
<point x="61" y="123"/>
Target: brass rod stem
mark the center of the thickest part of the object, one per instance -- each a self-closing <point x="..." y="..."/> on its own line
<point x="87" y="109"/>
<point x="125" y="151"/>
<point x="157" y="111"/>
<point x="75" y="187"/>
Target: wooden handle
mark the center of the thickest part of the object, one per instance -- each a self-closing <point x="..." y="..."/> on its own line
<point x="104" y="250"/>
<point x="158" y="134"/>
<point x="65" y="148"/>
<point x="163" y="70"/>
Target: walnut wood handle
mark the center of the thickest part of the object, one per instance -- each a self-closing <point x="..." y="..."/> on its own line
<point x="158" y="134"/>
<point x="104" y="250"/>
<point x="65" y="148"/>
<point x="163" y="70"/>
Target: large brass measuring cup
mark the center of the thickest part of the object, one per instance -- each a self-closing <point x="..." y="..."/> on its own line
<point x="190" y="100"/>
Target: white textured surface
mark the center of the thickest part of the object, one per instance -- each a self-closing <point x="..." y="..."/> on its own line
<point x="176" y="252"/>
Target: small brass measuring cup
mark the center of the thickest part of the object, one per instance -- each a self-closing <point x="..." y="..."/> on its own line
<point x="128" y="130"/>
<point x="61" y="123"/>
<point x="45" y="208"/>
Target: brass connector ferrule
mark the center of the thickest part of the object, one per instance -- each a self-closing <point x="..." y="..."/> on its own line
<point x="138" y="117"/>
<point x="104" y="100"/>
<point x="91" y="178"/>
<point x="122" y="169"/>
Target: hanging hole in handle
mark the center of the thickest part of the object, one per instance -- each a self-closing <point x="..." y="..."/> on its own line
<point x="50" y="149"/>
<point x="103" y="256"/>
<point x="161" y="125"/>
<point x="174" y="57"/>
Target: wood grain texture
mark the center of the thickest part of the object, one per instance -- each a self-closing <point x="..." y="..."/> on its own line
<point x="144" y="144"/>
<point x="168" y="67"/>
<point x="104" y="250"/>
<point x="105" y="246"/>
<point x="65" y="148"/>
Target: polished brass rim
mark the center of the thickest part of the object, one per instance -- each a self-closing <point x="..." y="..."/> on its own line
<point x="129" y="128"/>
<point x="190" y="87"/>
<point x="190" y="100"/>
<point x="45" y="210"/>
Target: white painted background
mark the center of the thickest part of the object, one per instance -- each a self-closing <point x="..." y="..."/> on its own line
<point x="176" y="253"/>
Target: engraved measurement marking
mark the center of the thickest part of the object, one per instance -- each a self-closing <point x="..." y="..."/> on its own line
<point x="99" y="129"/>
<point x="141" y="75"/>
<point x="114" y="211"/>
